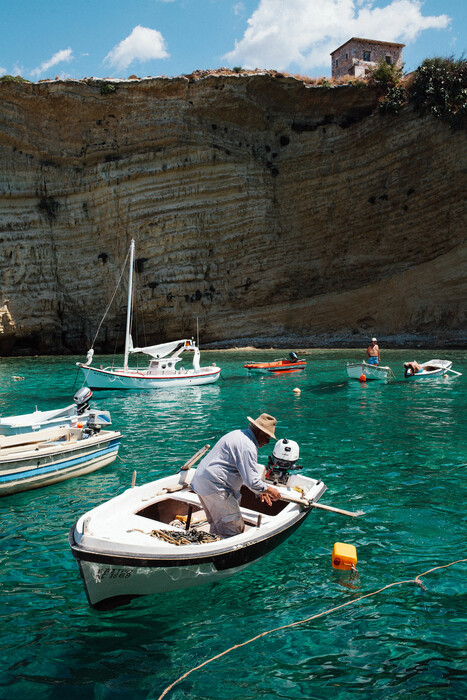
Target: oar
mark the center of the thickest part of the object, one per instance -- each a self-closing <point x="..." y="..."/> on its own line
<point x="195" y="458"/>
<point x="183" y="475"/>
<point x="459" y="374"/>
<point x="305" y="502"/>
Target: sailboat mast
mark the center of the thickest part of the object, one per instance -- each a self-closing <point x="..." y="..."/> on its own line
<point x="128" y="308"/>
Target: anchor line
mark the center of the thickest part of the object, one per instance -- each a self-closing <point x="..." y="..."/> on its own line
<point x="415" y="580"/>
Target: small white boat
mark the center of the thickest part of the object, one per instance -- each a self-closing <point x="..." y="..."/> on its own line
<point x="162" y="370"/>
<point x="126" y="547"/>
<point x="70" y="416"/>
<point x="32" y="460"/>
<point x="433" y="368"/>
<point x="357" y="370"/>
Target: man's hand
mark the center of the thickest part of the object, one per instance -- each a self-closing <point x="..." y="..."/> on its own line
<point x="272" y="494"/>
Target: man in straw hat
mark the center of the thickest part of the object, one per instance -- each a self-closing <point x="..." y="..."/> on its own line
<point x="233" y="461"/>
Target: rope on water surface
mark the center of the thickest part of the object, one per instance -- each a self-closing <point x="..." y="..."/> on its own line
<point x="415" y="580"/>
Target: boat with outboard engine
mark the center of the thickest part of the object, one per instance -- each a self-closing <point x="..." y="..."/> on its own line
<point x="162" y="370"/>
<point x="77" y="412"/>
<point x="46" y="456"/>
<point x="358" y="370"/>
<point x="290" y="364"/>
<point x="433" y="368"/>
<point x="155" y="538"/>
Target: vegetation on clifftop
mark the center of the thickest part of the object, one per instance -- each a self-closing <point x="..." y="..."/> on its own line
<point x="437" y="87"/>
<point x="13" y="79"/>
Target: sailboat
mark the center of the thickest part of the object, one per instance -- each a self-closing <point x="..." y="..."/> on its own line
<point x="162" y="370"/>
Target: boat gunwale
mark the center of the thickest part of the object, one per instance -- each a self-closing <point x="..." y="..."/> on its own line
<point x="84" y="553"/>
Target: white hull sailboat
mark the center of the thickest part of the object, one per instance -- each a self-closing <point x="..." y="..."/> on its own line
<point x="162" y="370"/>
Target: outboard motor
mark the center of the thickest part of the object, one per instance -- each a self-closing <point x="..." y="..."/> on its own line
<point x="95" y="422"/>
<point x="293" y="356"/>
<point x="81" y="399"/>
<point x="284" y="459"/>
<point x="408" y="370"/>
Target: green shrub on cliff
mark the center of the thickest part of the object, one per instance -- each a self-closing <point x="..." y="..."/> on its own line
<point x="385" y="75"/>
<point x="393" y="100"/>
<point x="439" y="86"/>
<point x="13" y="79"/>
<point x="108" y="89"/>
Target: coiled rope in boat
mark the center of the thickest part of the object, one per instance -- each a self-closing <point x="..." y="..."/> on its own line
<point x="415" y="580"/>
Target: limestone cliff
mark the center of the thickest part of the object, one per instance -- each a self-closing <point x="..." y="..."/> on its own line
<point x="265" y="207"/>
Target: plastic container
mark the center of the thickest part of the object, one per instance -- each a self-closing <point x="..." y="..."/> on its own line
<point x="344" y="556"/>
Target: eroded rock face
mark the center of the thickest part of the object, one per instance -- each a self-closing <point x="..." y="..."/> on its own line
<point x="264" y="207"/>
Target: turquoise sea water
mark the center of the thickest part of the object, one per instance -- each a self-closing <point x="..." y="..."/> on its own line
<point x="396" y="451"/>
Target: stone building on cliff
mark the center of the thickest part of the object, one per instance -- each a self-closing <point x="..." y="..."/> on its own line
<point x="358" y="57"/>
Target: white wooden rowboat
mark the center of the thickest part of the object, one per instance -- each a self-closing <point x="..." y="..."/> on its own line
<point x="356" y="370"/>
<point x="120" y="556"/>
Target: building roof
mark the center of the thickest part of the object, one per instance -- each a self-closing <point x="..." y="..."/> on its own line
<point x="367" y="41"/>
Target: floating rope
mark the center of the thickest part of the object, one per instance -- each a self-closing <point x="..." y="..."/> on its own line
<point x="415" y="580"/>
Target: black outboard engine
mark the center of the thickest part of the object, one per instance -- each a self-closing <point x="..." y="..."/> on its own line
<point x="293" y="356"/>
<point x="408" y="370"/>
<point x="283" y="459"/>
<point x="81" y="399"/>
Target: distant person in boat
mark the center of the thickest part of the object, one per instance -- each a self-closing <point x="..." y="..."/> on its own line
<point x="411" y="368"/>
<point x="232" y="462"/>
<point x="372" y="353"/>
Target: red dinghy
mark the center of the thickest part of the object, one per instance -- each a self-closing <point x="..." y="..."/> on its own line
<point x="277" y="366"/>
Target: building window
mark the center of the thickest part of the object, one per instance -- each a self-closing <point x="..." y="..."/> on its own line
<point x="337" y="63"/>
<point x="366" y="56"/>
<point x="389" y="60"/>
<point x="346" y="56"/>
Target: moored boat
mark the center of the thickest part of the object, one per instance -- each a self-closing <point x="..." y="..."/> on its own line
<point x="70" y="416"/>
<point x="433" y="368"/>
<point x="357" y="370"/>
<point x="290" y="364"/>
<point x="43" y="457"/>
<point x="162" y="370"/>
<point x="155" y="538"/>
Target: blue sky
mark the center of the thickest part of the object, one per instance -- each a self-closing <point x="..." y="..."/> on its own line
<point x="118" y="38"/>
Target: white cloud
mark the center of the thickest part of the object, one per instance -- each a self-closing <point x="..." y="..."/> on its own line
<point x="2" y="71"/>
<point x="239" y="8"/>
<point x="304" y="32"/>
<point x="65" y="55"/>
<point x="142" y="44"/>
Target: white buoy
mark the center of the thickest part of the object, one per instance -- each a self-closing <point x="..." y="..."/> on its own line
<point x="297" y="390"/>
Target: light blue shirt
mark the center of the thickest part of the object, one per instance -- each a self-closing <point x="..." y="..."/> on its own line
<point x="233" y="461"/>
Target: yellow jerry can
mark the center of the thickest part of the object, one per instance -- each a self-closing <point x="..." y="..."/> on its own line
<point x="344" y="556"/>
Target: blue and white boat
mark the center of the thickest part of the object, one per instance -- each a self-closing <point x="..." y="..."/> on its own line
<point x="35" y="459"/>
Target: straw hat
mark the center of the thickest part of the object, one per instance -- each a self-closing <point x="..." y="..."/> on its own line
<point x="265" y="423"/>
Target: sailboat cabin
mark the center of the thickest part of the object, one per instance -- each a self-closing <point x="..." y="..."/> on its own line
<point x="358" y="57"/>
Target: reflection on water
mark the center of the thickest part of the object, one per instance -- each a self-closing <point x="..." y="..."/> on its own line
<point x="394" y="450"/>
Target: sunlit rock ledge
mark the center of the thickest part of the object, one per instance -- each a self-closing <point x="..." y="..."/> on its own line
<point x="269" y="209"/>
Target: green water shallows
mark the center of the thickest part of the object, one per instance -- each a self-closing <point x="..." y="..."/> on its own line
<point x="396" y="451"/>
